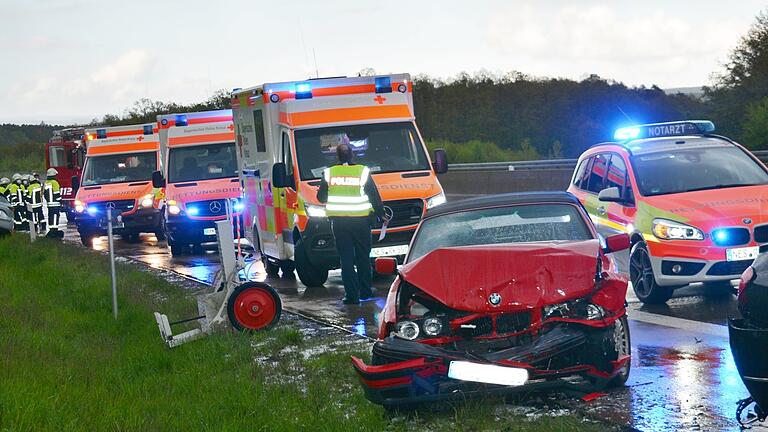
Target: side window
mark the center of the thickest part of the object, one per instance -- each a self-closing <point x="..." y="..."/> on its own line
<point x="258" y="129"/>
<point x="617" y="174"/>
<point x="57" y="156"/>
<point x="287" y="159"/>
<point x="596" y="179"/>
<point x="579" y="173"/>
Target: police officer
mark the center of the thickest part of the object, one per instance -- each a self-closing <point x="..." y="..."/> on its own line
<point x="35" y="204"/>
<point x="52" y="195"/>
<point x="4" y="183"/>
<point x="351" y="200"/>
<point x="16" y="198"/>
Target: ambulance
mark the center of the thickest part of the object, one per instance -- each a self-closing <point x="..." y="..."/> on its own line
<point x="119" y="163"/>
<point x="287" y="134"/>
<point x="694" y="203"/>
<point x="199" y="176"/>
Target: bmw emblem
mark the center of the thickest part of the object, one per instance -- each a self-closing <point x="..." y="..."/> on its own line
<point x="494" y="299"/>
<point x="747" y="221"/>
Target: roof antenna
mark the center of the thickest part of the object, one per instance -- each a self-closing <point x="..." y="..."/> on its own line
<point x="317" y="72"/>
<point x="625" y="115"/>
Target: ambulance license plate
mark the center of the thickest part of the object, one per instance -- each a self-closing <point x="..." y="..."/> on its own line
<point x="209" y="231"/>
<point x="389" y="251"/>
<point x="741" y="254"/>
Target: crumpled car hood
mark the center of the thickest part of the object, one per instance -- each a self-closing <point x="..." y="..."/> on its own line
<point x="525" y="275"/>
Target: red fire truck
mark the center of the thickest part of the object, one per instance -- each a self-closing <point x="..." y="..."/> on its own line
<point x="65" y="151"/>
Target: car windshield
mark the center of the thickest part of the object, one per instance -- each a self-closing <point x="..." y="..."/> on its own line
<point x="119" y="168"/>
<point x="203" y="162"/>
<point x="386" y="147"/>
<point x="511" y="224"/>
<point x="686" y="170"/>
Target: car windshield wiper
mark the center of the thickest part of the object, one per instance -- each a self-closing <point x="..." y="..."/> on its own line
<point x="721" y="186"/>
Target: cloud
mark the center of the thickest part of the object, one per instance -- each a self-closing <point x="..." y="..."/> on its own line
<point x="126" y="67"/>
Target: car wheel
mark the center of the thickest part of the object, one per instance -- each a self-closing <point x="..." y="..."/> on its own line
<point x="160" y="234"/>
<point x="176" y="249"/>
<point x="287" y="267"/>
<point x="309" y="275"/>
<point x="87" y="238"/>
<point x="623" y="347"/>
<point x="253" y="306"/>
<point x="643" y="281"/>
<point x="131" y="237"/>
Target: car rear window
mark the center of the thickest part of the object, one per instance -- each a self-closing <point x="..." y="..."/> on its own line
<point x="499" y="225"/>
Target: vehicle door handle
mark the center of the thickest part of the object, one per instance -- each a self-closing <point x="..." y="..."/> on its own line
<point x="601" y="210"/>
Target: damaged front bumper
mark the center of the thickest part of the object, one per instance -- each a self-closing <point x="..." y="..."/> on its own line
<point x="409" y="372"/>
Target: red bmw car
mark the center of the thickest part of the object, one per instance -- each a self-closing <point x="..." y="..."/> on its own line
<point x="500" y="294"/>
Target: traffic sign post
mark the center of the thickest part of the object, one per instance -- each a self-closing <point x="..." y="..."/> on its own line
<point x="112" y="260"/>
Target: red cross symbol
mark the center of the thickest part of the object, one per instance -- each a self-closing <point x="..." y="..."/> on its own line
<point x="141" y="138"/>
<point x="380" y="100"/>
<point x="231" y="127"/>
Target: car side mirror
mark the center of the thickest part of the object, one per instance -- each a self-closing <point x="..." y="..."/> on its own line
<point x="157" y="180"/>
<point x="611" y="194"/>
<point x="75" y="184"/>
<point x="279" y="175"/>
<point x="386" y="266"/>
<point x="616" y="243"/>
<point x="440" y="164"/>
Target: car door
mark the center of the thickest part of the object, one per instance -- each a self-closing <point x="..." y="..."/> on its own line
<point x="619" y="215"/>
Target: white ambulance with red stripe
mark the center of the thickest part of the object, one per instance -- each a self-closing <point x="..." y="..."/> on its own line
<point x="287" y="134"/>
<point x="117" y="175"/>
<point x="199" y="177"/>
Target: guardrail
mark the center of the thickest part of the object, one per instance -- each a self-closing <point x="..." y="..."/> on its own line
<point x="545" y="164"/>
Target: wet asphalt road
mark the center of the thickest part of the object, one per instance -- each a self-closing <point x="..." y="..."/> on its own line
<point x="683" y="376"/>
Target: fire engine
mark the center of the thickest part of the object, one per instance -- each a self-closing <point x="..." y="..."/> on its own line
<point x="65" y="152"/>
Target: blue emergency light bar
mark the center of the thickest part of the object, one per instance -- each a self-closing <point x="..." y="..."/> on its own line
<point x="668" y="129"/>
<point x="181" y="120"/>
<point x="148" y="130"/>
<point x="383" y="85"/>
<point x="101" y="133"/>
<point x="303" y="91"/>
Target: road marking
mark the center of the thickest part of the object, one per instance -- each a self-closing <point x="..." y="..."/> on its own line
<point x="679" y="323"/>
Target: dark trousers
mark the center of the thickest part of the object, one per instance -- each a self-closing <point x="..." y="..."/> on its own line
<point x="19" y="216"/>
<point x="53" y="218"/>
<point x="353" y="242"/>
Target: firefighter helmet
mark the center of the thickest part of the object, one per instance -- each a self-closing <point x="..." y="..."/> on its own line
<point x="51" y="172"/>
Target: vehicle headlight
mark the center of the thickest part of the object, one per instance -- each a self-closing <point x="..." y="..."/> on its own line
<point x="79" y="206"/>
<point x="147" y="201"/>
<point x="173" y="208"/>
<point x="432" y="326"/>
<point x="436" y="200"/>
<point x="671" y="230"/>
<point x="407" y="330"/>
<point x="315" y="210"/>
<point x="575" y="309"/>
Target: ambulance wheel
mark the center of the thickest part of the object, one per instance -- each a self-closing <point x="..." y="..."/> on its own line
<point x="287" y="267"/>
<point x="309" y="275"/>
<point x="254" y="306"/>
<point x="160" y="234"/>
<point x="131" y="237"/>
<point x="643" y="281"/>
<point x="270" y="268"/>
<point x="176" y="249"/>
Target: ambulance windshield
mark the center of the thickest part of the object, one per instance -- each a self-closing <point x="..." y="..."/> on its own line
<point x="384" y="147"/>
<point x="202" y="162"/>
<point x="119" y="168"/>
<point x="687" y="170"/>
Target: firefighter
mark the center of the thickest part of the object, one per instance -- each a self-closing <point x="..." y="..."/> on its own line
<point x="5" y="182"/>
<point x="351" y="200"/>
<point x="52" y="196"/>
<point x="16" y="198"/>
<point x="34" y="199"/>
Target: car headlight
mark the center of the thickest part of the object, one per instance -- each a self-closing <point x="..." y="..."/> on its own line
<point x="436" y="200"/>
<point x="147" y="201"/>
<point x="173" y="208"/>
<point x="575" y="309"/>
<point x="79" y="206"/>
<point x="432" y="326"/>
<point x="315" y="210"/>
<point x="407" y="330"/>
<point x="671" y="230"/>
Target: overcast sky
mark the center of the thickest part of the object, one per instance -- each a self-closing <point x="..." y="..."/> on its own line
<point x="69" y="61"/>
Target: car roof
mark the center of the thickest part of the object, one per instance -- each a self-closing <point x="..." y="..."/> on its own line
<point x="503" y="200"/>
<point x="652" y="145"/>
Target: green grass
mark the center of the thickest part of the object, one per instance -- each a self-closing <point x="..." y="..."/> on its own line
<point x="66" y="364"/>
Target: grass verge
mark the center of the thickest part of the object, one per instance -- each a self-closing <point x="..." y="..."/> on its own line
<point x="66" y="364"/>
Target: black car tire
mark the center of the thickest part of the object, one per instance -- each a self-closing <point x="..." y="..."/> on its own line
<point x="623" y="343"/>
<point x="309" y="275"/>
<point x="87" y="238"/>
<point x="160" y="234"/>
<point x="176" y="249"/>
<point x="131" y="237"/>
<point x="642" y="277"/>
<point x="287" y="267"/>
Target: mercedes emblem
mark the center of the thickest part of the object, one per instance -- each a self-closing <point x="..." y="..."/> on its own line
<point x="494" y="299"/>
<point x="215" y="207"/>
<point x="111" y="205"/>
